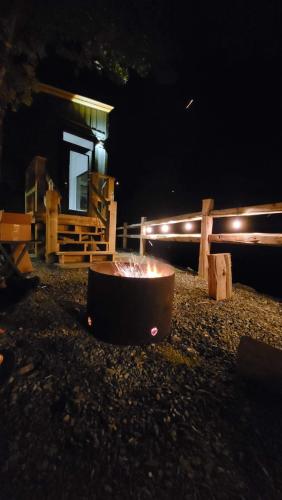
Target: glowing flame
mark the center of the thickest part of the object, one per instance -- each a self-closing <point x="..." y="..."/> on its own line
<point x="89" y="321"/>
<point x="144" y="268"/>
<point x="154" y="331"/>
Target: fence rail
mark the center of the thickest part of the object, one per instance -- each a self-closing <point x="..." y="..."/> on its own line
<point x="206" y="237"/>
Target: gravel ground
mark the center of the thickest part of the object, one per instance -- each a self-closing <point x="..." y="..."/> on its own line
<point x="81" y="419"/>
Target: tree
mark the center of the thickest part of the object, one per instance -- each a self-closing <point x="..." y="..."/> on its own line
<point x="102" y="35"/>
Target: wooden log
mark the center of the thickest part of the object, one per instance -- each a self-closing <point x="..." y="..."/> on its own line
<point x="206" y="230"/>
<point x="52" y="202"/>
<point x="260" y="362"/>
<point x="274" y="239"/>
<point x="124" y="236"/>
<point x="219" y="276"/>
<point x="142" y="246"/>
<point x="268" y="208"/>
<point x="173" y="219"/>
<point x="187" y="238"/>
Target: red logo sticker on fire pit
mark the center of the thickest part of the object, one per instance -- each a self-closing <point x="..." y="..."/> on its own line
<point x="154" y="331"/>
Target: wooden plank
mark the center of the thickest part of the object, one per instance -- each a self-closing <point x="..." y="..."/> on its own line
<point x="25" y="265"/>
<point x="268" y="208"/>
<point x="187" y="238"/>
<point x="15" y="232"/>
<point x="274" y="239"/>
<point x="173" y="219"/>
<point x="15" y="218"/>
<point x="89" y="252"/>
<point x="219" y="276"/>
<point x="206" y="230"/>
<point x="79" y="220"/>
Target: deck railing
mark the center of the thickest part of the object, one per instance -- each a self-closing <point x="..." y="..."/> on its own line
<point x="206" y="236"/>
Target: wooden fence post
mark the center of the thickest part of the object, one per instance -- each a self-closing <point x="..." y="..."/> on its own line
<point x="220" y="276"/>
<point x="52" y="199"/>
<point x="142" y="248"/>
<point x="124" y="236"/>
<point x="206" y="230"/>
<point x="111" y="226"/>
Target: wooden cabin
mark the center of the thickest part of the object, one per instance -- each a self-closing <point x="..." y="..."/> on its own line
<point x="67" y="188"/>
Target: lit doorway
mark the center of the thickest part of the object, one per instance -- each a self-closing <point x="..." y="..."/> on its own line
<point x="79" y="163"/>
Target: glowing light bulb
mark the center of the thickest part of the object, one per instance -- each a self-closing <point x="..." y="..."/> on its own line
<point x="188" y="226"/>
<point x="164" y="228"/>
<point x="236" y="224"/>
<point x="154" y="331"/>
<point x="149" y="229"/>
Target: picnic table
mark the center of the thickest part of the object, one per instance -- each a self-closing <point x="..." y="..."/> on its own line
<point x="15" y="238"/>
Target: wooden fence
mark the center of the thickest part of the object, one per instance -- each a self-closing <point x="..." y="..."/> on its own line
<point x="206" y="236"/>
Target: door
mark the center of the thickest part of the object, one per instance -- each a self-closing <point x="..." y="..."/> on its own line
<point x="77" y="154"/>
<point x="78" y="181"/>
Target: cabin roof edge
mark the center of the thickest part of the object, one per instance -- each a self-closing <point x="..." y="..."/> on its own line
<point x="69" y="96"/>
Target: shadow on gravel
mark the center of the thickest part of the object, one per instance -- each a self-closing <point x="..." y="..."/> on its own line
<point x="16" y="289"/>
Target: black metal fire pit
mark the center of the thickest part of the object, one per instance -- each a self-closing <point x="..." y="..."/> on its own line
<point x="130" y="310"/>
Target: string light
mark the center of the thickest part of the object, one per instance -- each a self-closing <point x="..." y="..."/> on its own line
<point x="164" y="228"/>
<point x="188" y="226"/>
<point x="149" y="229"/>
<point x="236" y="224"/>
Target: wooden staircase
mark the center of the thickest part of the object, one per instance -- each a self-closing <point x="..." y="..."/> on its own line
<point x="81" y="240"/>
<point x="71" y="240"/>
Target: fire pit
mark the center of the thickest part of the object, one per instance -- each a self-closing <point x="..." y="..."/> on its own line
<point x="130" y="303"/>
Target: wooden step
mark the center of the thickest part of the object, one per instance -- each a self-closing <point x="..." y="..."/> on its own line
<point x="74" y="252"/>
<point x="91" y="246"/>
<point x="78" y="220"/>
<point x="94" y="233"/>
<point x="83" y="242"/>
<point x="83" y="265"/>
<point x="80" y="256"/>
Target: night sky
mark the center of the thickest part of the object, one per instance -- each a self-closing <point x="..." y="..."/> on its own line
<point x="227" y="57"/>
<point x="227" y="145"/>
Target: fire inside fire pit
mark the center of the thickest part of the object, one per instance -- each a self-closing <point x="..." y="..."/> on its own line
<point x="130" y="302"/>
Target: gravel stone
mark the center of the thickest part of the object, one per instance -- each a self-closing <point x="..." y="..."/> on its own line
<point x="92" y="420"/>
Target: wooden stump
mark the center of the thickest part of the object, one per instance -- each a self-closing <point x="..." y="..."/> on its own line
<point x="219" y="276"/>
<point x="260" y="362"/>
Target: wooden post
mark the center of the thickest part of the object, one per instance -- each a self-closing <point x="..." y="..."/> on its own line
<point x="92" y="196"/>
<point x="124" y="236"/>
<point x="142" y="247"/>
<point x="220" y="276"/>
<point x="111" y="226"/>
<point x="111" y="188"/>
<point x="51" y="244"/>
<point x="206" y="229"/>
